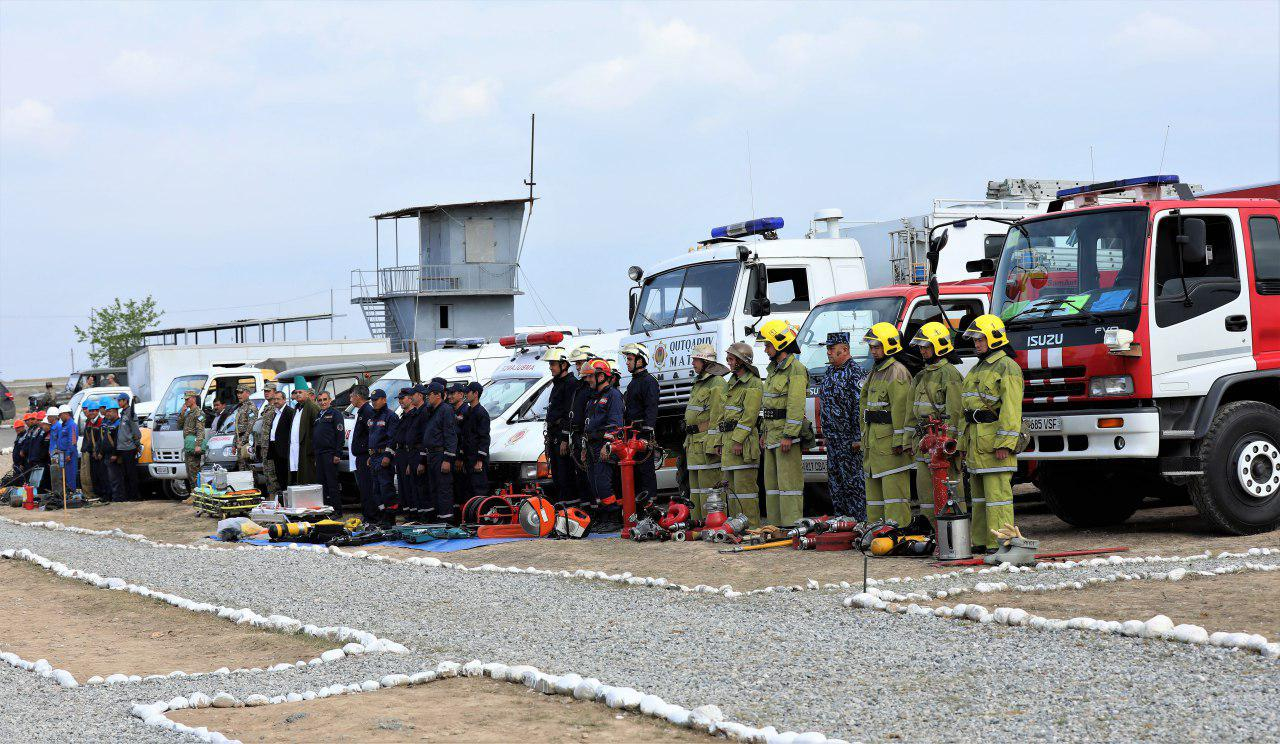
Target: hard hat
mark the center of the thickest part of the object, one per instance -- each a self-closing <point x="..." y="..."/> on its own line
<point x="989" y="327"/>
<point x="743" y="352"/>
<point x="19" y="424"/>
<point x="613" y="366"/>
<point x="581" y="354"/>
<point x="110" y="405"/>
<point x="51" y="413"/>
<point x="936" y="335"/>
<point x="885" y="334"/>
<point x="637" y="350"/>
<point x="555" y="354"/>
<point x="596" y="366"/>
<point x="707" y="353"/>
<point x="64" y="408"/>
<point x="778" y="333"/>
<point x="92" y="405"/>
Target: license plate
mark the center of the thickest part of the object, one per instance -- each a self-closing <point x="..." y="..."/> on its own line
<point x="164" y="471"/>
<point x="1042" y="424"/>
<point x="815" y="466"/>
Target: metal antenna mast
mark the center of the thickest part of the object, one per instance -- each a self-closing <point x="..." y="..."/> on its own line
<point x="533" y="122"/>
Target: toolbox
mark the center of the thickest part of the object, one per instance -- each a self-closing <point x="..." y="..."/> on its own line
<point x="302" y="497"/>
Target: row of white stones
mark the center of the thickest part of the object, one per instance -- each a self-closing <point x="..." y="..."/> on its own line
<point x="356" y="641"/>
<point x="706" y="718"/>
<point x="1159" y="627"/>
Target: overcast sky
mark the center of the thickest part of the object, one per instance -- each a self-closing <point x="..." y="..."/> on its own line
<point x="225" y="157"/>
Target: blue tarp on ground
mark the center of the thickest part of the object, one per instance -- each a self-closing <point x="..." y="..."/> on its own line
<point x="434" y="546"/>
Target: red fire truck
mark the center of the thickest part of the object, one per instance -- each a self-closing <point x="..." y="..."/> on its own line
<point x="1149" y="336"/>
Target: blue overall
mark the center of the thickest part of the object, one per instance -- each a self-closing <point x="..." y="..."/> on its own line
<point x="383" y="426"/>
<point x="603" y="418"/>
<point x="439" y="444"/>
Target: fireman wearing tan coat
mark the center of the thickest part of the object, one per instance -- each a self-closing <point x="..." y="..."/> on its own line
<point x="736" y="422"/>
<point x="883" y="409"/>
<point x="935" y="392"/>
<point x="700" y="438"/>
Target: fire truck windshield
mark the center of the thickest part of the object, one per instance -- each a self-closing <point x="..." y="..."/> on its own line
<point x="851" y="316"/>
<point x="693" y="294"/>
<point x="1076" y="264"/>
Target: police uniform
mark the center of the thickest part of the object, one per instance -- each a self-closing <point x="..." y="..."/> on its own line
<point x="640" y="411"/>
<point x="934" y="392"/>
<point x="438" y="445"/>
<point x="838" y="395"/>
<point x="992" y="400"/>
<point x="461" y="484"/>
<point x="785" y="389"/>
<point x="583" y="394"/>
<point x="406" y="439"/>
<point x="191" y="421"/>
<point x="602" y="419"/>
<point x="700" y="438"/>
<point x="246" y="415"/>
<point x="361" y="454"/>
<point x="474" y="438"/>
<point x="882" y="412"/>
<point x="563" y="470"/>
<point x="380" y="504"/>
<point x="737" y="425"/>
<point x="328" y="434"/>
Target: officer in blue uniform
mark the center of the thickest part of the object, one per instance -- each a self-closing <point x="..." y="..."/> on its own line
<point x="475" y="443"/>
<point x="359" y="397"/>
<point x="405" y="441"/>
<point x="559" y="436"/>
<point x="603" y="418"/>
<point x="838" y="404"/>
<point x="582" y="395"/>
<point x="457" y="398"/>
<point x="328" y="434"/>
<point x="382" y="505"/>
<point x="640" y="411"/>
<point x="438" y="448"/>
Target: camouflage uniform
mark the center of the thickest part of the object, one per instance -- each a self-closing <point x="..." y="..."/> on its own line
<point x="267" y="418"/>
<point x="838" y="393"/>
<point x="192" y="423"/>
<point x="246" y="414"/>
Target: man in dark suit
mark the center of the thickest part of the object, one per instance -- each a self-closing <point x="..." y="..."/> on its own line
<point x="278" y="437"/>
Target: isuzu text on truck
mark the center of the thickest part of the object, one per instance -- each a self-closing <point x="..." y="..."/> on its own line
<point x="1149" y="336"/>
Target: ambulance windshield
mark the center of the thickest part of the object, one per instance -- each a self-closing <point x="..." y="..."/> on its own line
<point x="850" y="316"/>
<point x="1075" y="264"/>
<point x="500" y="395"/>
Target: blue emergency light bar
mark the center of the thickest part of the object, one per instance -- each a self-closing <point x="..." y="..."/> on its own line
<point x="459" y="343"/>
<point x="463" y="368"/>
<point x="1121" y="185"/>
<point x="750" y="227"/>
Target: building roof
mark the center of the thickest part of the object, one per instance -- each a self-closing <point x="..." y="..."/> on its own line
<point x="243" y="322"/>
<point x="416" y="211"/>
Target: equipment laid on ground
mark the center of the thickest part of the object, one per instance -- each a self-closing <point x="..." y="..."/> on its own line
<point x="218" y="503"/>
<point x="1039" y="556"/>
<point x="760" y="546"/>
<point x="302" y="497"/>
<point x="270" y="512"/>
<point x="537" y="518"/>
<point x="953" y="537"/>
<point x="309" y="532"/>
<point x="825" y="541"/>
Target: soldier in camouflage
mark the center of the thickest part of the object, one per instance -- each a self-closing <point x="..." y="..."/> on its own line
<point x="246" y="415"/>
<point x="838" y="411"/>
<point x="191" y="420"/>
<point x="263" y="442"/>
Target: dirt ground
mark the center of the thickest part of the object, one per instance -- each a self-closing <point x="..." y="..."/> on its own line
<point x="161" y="520"/>
<point x="454" y="710"/>
<point x="1232" y="603"/>
<point x="90" y="631"/>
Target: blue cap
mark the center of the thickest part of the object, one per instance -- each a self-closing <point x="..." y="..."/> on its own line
<point x="379" y="393"/>
<point x="458" y="387"/>
<point x="837" y="337"/>
<point x="110" y="405"/>
<point x="406" y="391"/>
<point x="122" y="396"/>
<point x="474" y="387"/>
<point x="92" y="405"/>
<point x="440" y="380"/>
<point x="436" y="387"/>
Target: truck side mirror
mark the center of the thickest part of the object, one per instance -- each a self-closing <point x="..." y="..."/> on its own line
<point x="1191" y="241"/>
<point x="633" y="302"/>
<point x="936" y="244"/>
<point x="759" y="307"/>
<point x="981" y="267"/>
<point x="933" y="289"/>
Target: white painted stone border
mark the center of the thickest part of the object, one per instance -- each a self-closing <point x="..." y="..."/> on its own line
<point x="628" y="578"/>
<point x="1159" y="627"/>
<point x="356" y="641"/>
<point x="41" y="667"/>
<point x="706" y="718"/>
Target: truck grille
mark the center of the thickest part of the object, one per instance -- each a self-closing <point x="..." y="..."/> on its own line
<point x="1054" y="384"/>
<point x="674" y="394"/>
<point x="166" y="455"/>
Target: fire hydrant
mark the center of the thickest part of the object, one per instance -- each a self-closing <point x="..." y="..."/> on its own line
<point x="627" y="448"/>
<point x="941" y="447"/>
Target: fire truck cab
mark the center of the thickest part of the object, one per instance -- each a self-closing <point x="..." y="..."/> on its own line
<point x="1149" y="336"/>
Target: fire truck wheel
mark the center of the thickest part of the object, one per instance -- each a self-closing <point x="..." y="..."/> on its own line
<point x="1239" y="492"/>
<point x="1094" y="497"/>
<point x="174" y="488"/>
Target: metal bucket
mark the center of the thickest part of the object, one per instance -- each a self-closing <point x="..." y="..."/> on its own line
<point x="953" y="537"/>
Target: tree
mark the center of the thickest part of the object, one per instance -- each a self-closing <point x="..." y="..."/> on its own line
<point x="115" y="331"/>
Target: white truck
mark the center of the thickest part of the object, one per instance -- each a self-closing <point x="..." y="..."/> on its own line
<point x="151" y="368"/>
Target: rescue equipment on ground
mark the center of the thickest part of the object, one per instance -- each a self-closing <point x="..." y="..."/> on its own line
<point x="213" y="502"/>
<point x="537" y="517"/>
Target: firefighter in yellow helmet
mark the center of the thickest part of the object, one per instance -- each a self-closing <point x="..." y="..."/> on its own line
<point x="785" y="388"/>
<point x="883" y="409"/>
<point x="934" y="392"/>
<point x="992" y="400"/>
<point x="700" y="438"/>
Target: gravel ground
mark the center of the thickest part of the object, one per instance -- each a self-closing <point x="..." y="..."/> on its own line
<point x="798" y="661"/>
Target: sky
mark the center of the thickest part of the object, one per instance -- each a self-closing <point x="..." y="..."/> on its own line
<point x="225" y="157"/>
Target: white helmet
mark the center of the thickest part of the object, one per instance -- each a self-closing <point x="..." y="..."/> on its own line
<point x="581" y="354"/>
<point x="51" y="413"/>
<point x="637" y="350"/>
<point x="64" y="408"/>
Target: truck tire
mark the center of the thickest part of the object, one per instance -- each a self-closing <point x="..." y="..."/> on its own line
<point x="1239" y="492"/>
<point x="1097" y="496"/>
<point x="174" y="488"/>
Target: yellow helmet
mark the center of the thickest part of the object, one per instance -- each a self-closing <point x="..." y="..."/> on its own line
<point x="778" y="333"/>
<point x="581" y="354"/>
<point x="936" y="335"/>
<point x="885" y="334"/>
<point x="555" y="354"/>
<point x="989" y="327"/>
<point x="636" y="350"/>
